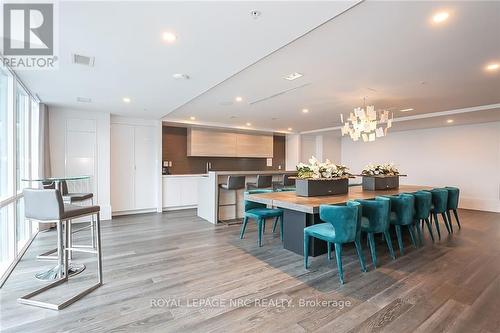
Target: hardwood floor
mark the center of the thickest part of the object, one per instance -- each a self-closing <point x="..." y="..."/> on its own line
<point x="451" y="286"/>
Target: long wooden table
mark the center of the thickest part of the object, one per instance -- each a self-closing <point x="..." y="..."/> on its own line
<point x="301" y="212"/>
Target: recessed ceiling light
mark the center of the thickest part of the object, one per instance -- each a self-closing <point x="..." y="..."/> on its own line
<point x="406" y="110"/>
<point x="440" y="17"/>
<point x="493" y="66"/>
<point x="238" y="99"/>
<point x="293" y="76"/>
<point x="305" y="110"/>
<point x="169" y="37"/>
<point x="192" y="118"/>
<point x="179" y="76"/>
<point x="289" y="128"/>
<point x="249" y="124"/>
<point x="127" y="99"/>
<point x="449" y="121"/>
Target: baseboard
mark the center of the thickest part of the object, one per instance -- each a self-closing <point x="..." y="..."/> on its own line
<point x="480" y="204"/>
<point x="135" y="211"/>
<point x="166" y="209"/>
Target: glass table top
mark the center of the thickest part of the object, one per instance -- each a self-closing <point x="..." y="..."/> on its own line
<point x="56" y="179"/>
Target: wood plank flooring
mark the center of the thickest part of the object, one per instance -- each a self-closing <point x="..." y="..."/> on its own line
<point x="156" y="266"/>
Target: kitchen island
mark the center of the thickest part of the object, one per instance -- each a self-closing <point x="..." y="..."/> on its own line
<point x="215" y="205"/>
<point x="301" y="212"/>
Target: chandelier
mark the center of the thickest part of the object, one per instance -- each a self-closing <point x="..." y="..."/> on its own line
<point x="366" y="123"/>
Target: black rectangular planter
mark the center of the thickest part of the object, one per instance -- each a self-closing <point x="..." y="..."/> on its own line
<point x="313" y="188"/>
<point x="375" y="183"/>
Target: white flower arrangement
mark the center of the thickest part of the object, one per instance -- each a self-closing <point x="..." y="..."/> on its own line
<point x="387" y="169"/>
<point x="322" y="170"/>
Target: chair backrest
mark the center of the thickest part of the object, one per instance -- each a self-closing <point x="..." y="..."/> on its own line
<point x="377" y="212"/>
<point x="423" y="203"/>
<point x="43" y="205"/>
<point x="264" y="181"/>
<point x="287" y="181"/>
<point x="453" y="195"/>
<point x="49" y="185"/>
<point x="403" y="205"/>
<point x="440" y="199"/>
<point x="344" y="219"/>
<point x="252" y="204"/>
<point x="235" y="182"/>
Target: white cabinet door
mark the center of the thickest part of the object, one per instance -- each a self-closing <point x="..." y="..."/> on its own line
<point x="145" y="165"/>
<point x="189" y="191"/>
<point x="122" y="166"/>
<point x="172" y="192"/>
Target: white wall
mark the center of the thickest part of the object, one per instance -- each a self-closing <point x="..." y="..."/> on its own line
<point x="464" y="156"/>
<point x="80" y="144"/>
<point x="292" y="151"/>
<point x="323" y="146"/>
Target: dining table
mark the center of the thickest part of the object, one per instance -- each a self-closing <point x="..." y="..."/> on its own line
<point x="300" y="212"/>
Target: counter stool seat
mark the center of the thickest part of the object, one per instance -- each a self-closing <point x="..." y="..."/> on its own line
<point x="74" y="197"/>
<point x="263" y="181"/>
<point x="233" y="183"/>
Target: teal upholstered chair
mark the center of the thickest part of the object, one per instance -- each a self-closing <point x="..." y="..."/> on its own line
<point x="439" y="206"/>
<point x="402" y="213"/>
<point x="343" y="225"/>
<point x="259" y="212"/>
<point x="453" y="194"/>
<point x="423" y="204"/>
<point x="375" y="220"/>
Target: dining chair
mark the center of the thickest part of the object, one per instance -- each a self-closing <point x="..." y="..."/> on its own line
<point x="260" y="212"/>
<point x="439" y="206"/>
<point x="47" y="206"/>
<point x="375" y="220"/>
<point x="402" y="215"/>
<point x="453" y="195"/>
<point x="342" y="225"/>
<point x="423" y="203"/>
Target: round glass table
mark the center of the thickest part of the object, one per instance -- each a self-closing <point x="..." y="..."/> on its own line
<point x="58" y="270"/>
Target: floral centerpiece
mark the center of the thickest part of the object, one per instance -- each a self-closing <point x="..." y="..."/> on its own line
<point x="321" y="170"/>
<point x="380" y="177"/>
<point x="321" y="178"/>
<point x="388" y="169"/>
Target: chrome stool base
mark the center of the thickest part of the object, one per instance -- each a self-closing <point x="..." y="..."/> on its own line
<point x="53" y="273"/>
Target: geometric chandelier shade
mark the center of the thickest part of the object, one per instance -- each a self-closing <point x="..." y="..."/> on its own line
<point x="367" y="123"/>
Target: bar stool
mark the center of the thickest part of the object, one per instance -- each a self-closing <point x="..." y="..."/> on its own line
<point x="47" y="206"/>
<point x="263" y="181"/>
<point x="233" y="183"/>
<point x="70" y="197"/>
<point x="285" y="182"/>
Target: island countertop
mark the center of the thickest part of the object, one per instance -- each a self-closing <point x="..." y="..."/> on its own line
<point x="290" y="200"/>
<point x="252" y="173"/>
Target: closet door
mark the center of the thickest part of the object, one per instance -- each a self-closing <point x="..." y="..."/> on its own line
<point x="122" y="166"/>
<point x="146" y="183"/>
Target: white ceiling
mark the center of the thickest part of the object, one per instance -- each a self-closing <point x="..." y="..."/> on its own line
<point x="215" y="41"/>
<point x="386" y="51"/>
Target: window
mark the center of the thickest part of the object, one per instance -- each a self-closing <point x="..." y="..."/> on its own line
<point x="5" y="134"/>
<point x="19" y="137"/>
<point x="22" y="138"/>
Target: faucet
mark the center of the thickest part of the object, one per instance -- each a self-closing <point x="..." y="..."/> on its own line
<point x="208" y="167"/>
